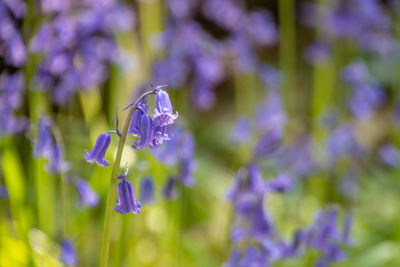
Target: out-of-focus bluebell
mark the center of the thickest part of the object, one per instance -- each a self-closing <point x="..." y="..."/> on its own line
<point x="56" y="163"/>
<point x="44" y="141"/>
<point x="268" y="144"/>
<point x="77" y="44"/>
<point x="356" y="73"/>
<point x="11" y="93"/>
<point x="99" y="150"/>
<point x="389" y="155"/>
<point x="284" y="182"/>
<point x="126" y="200"/>
<point x="3" y="192"/>
<point x="342" y="141"/>
<point x="261" y="28"/>
<point x="146" y="190"/>
<point x="366" y="99"/>
<point x="13" y="48"/>
<point x="270" y="115"/>
<point x="247" y="180"/>
<point x="181" y="9"/>
<point x="318" y="52"/>
<point x="269" y="75"/>
<point x="169" y="190"/>
<point x="254" y="256"/>
<point x="242" y="131"/>
<point x="68" y="254"/>
<point x="227" y="14"/>
<point x="233" y="259"/>
<point x="88" y="196"/>
<point x="297" y="157"/>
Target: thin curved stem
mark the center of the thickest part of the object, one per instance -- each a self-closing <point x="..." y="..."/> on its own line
<point x="105" y="244"/>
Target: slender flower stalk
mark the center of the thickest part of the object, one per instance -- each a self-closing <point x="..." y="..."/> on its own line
<point x="105" y="244"/>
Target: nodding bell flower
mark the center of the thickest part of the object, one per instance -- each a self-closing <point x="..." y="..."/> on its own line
<point x="163" y="113"/>
<point x="87" y="195"/>
<point x="134" y="125"/>
<point x="99" y="150"/>
<point x="126" y="201"/>
<point x="145" y="132"/>
<point x="68" y="254"/>
<point x="44" y="141"/>
<point x="147" y="190"/>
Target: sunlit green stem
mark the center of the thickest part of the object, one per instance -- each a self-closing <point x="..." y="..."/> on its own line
<point x="105" y="244"/>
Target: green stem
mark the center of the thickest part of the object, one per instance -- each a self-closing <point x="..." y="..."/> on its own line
<point x="105" y="244"/>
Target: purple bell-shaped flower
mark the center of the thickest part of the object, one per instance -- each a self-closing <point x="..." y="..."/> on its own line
<point x="99" y="150"/>
<point x="126" y="201"/>
<point x="163" y="113"/>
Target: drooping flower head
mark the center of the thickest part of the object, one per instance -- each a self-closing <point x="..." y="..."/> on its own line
<point x="99" y="150"/>
<point x="87" y="195"/>
<point x="126" y="201"/>
<point x="68" y="254"/>
<point x="134" y="125"/>
<point x="164" y="113"/>
<point x="147" y="190"/>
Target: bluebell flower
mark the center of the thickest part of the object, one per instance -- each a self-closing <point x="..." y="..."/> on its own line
<point x="3" y="192"/>
<point x="56" y="162"/>
<point x="355" y="73"/>
<point x="242" y="131"/>
<point x="134" y="124"/>
<point x="147" y="190"/>
<point x="261" y="28"/>
<point x="163" y="112"/>
<point x="145" y="132"/>
<point x="233" y="259"/>
<point x="268" y="143"/>
<point x="366" y="99"/>
<point x="99" y="150"/>
<point x="169" y="189"/>
<point x="68" y="254"/>
<point x="186" y="168"/>
<point x="254" y="257"/>
<point x="317" y="52"/>
<point x="342" y="142"/>
<point x="389" y="155"/>
<point x="282" y="183"/>
<point x="87" y="195"/>
<point x="44" y="141"/>
<point x="270" y="115"/>
<point x="126" y="201"/>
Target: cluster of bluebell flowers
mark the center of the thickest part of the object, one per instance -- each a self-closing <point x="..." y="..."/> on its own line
<point x="151" y="131"/>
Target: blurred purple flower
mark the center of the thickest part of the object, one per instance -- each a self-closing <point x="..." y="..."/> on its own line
<point x="348" y="223"/>
<point x="44" y="141"/>
<point x="147" y="190"/>
<point x="270" y="115"/>
<point x="284" y="182"/>
<point x="389" y="155"/>
<point x="56" y="162"/>
<point x="254" y="257"/>
<point x="356" y="73"/>
<point x="242" y="131"/>
<point x="99" y="150"/>
<point x="169" y="189"/>
<point x="317" y="52"/>
<point x="87" y="195"/>
<point x="366" y="99"/>
<point x="227" y="14"/>
<point x="261" y="28"/>
<point x="271" y="77"/>
<point x="342" y="141"/>
<point x="126" y="201"/>
<point x="268" y="144"/>
<point x="68" y="254"/>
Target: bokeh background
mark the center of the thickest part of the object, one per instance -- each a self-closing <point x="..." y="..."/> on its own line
<point x="307" y="91"/>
